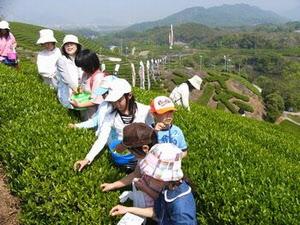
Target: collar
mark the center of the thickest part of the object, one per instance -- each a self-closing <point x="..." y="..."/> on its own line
<point x="180" y="191"/>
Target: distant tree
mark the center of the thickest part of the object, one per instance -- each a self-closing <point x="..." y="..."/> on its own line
<point x="274" y="106"/>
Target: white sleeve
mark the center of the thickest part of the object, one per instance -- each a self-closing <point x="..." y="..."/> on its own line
<point x="92" y="122"/>
<point x="67" y="71"/>
<point x="101" y="140"/>
<point x="185" y="97"/>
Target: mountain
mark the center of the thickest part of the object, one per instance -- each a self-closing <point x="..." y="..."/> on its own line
<point x="293" y="14"/>
<point x="218" y="16"/>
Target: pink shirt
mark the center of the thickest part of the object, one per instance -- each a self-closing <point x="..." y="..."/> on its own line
<point x="92" y="84"/>
<point x="7" y="45"/>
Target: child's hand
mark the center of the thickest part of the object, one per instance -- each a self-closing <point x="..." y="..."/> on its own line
<point x="75" y="104"/>
<point x="80" y="164"/>
<point x="120" y="148"/>
<point x="107" y="187"/>
<point x="140" y="184"/>
<point x="159" y="126"/>
<point x="71" y="125"/>
<point x="118" y="210"/>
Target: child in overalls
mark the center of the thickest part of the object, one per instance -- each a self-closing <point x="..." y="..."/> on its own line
<point x="175" y="204"/>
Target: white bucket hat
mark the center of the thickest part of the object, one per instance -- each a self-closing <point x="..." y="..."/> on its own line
<point x="70" y="38"/>
<point x="117" y="89"/>
<point x="4" y="25"/>
<point x="163" y="162"/>
<point x="46" y="35"/>
<point x="196" y="81"/>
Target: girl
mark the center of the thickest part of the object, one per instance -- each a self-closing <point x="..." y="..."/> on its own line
<point x="8" y="44"/>
<point x="180" y="94"/>
<point x="89" y="62"/>
<point x="175" y="204"/>
<point x="125" y="111"/>
<point x="68" y="74"/>
<point x="47" y="59"/>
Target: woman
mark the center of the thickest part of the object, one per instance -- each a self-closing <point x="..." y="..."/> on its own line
<point x="8" y="44"/>
<point x="89" y="62"/>
<point x="48" y="57"/>
<point x="125" y="111"/>
<point x="68" y="74"/>
<point x="175" y="204"/>
<point x="180" y="95"/>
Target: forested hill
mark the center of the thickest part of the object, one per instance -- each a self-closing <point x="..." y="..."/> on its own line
<point x="218" y="16"/>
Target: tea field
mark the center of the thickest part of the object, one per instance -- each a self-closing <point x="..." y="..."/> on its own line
<point x="243" y="171"/>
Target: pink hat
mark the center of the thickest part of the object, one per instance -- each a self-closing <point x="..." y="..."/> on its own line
<point x="162" y="104"/>
<point x="163" y="162"/>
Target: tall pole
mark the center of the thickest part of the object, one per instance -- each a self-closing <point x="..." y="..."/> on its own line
<point x="225" y="66"/>
<point x="200" y="62"/>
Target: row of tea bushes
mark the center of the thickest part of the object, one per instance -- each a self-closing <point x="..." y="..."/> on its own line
<point x="244" y="171"/>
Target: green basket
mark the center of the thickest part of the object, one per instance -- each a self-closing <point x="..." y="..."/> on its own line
<point x="81" y="98"/>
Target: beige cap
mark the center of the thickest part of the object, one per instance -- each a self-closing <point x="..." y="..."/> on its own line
<point x="70" y="38"/>
<point x="46" y="35"/>
<point x="196" y="81"/>
<point x="4" y="25"/>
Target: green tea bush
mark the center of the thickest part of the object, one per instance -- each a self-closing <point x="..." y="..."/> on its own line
<point x="244" y="171"/>
<point x="244" y="106"/>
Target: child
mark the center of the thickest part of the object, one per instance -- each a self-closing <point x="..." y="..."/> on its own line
<point x="125" y="111"/>
<point x="47" y="59"/>
<point x="175" y="204"/>
<point x="138" y="138"/>
<point x="163" y="109"/>
<point x="89" y="62"/>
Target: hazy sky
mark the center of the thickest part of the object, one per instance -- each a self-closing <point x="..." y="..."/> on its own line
<point x="115" y="12"/>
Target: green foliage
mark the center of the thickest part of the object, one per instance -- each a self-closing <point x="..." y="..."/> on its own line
<point x="274" y="106"/>
<point x="207" y="94"/>
<point x="244" y="171"/>
<point x="290" y="127"/>
<point x="243" y="105"/>
<point x="267" y="63"/>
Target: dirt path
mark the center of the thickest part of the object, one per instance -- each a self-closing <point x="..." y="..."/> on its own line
<point x="9" y="206"/>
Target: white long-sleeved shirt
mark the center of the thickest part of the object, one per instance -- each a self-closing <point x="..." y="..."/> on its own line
<point x="180" y="95"/>
<point x="98" y="118"/>
<point x="69" y="76"/>
<point x="46" y="62"/>
<point x="113" y="122"/>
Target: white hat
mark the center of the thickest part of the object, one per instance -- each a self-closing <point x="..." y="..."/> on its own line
<point x="162" y="104"/>
<point x="70" y="38"/>
<point x="4" y="25"/>
<point x="46" y="35"/>
<point x="163" y="162"/>
<point x="117" y="89"/>
<point x="196" y="82"/>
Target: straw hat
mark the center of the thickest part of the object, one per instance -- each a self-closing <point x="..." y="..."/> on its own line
<point x="196" y="82"/>
<point x="163" y="162"/>
<point x="46" y="35"/>
<point x="4" y="25"/>
<point x="117" y="89"/>
<point x="162" y="104"/>
<point x="70" y="38"/>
